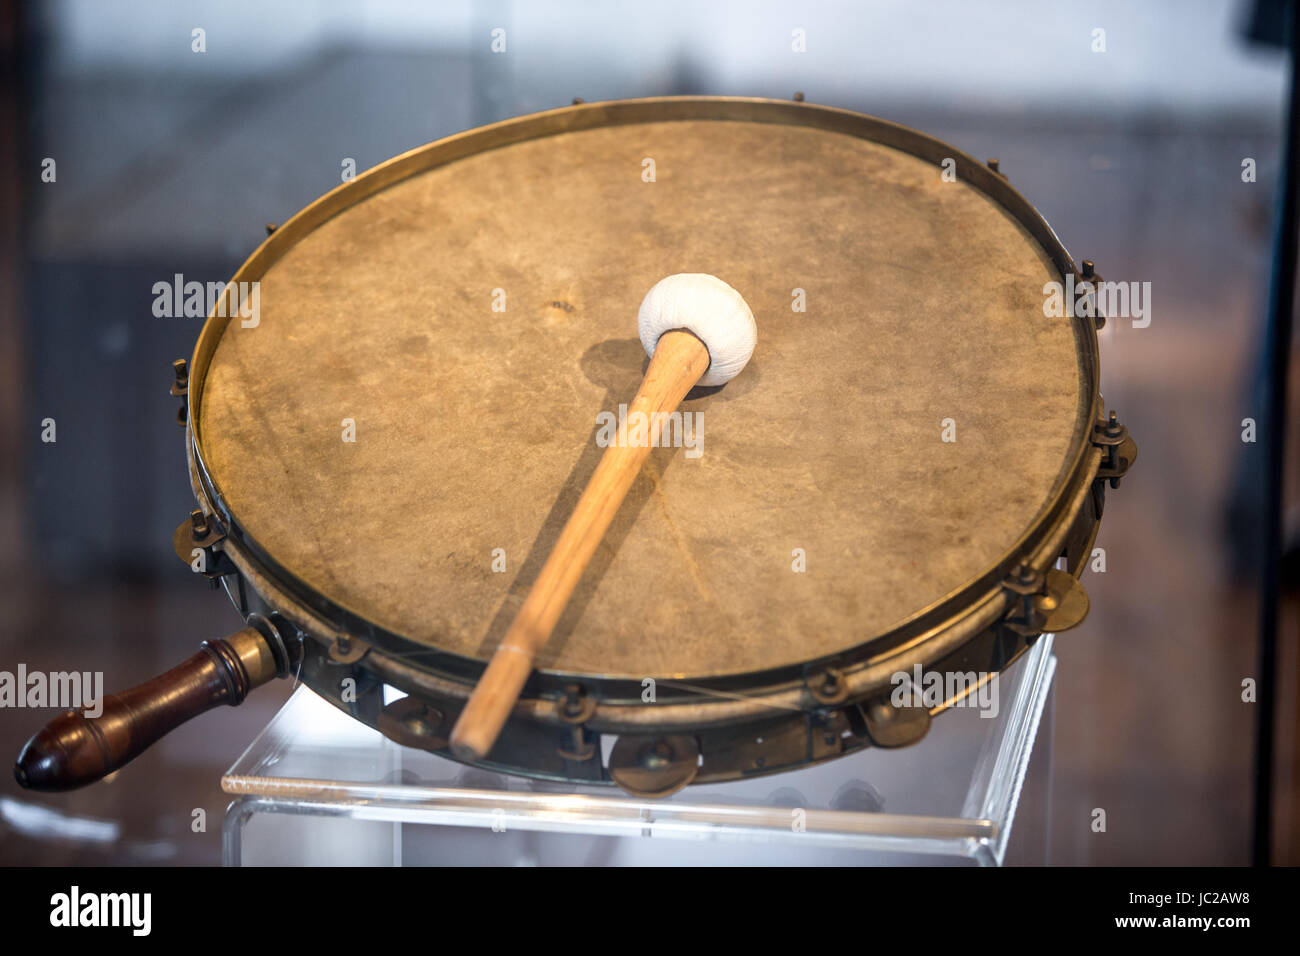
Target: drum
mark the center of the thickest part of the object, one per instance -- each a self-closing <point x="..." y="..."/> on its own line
<point x="907" y="478"/>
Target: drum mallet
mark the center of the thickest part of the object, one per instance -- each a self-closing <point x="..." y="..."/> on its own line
<point x="698" y="331"/>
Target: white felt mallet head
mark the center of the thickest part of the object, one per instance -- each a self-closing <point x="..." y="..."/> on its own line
<point x="710" y="309"/>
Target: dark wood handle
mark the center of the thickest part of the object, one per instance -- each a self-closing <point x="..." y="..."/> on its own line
<point x="74" y="750"/>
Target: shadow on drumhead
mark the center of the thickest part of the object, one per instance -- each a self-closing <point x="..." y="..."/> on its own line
<point x="619" y="365"/>
<point x="565" y="500"/>
<point x="616" y="366"/>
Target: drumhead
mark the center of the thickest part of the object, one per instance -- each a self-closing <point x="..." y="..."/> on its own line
<point x="885" y="447"/>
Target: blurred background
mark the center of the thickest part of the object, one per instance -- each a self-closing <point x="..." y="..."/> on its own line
<point x="171" y="160"/>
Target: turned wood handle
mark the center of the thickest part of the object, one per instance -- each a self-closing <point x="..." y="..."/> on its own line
<point x="74" y="750"/>
<point x="678" y="362"/>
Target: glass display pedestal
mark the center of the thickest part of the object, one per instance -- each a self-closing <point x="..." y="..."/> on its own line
<point x="319" y="788"/>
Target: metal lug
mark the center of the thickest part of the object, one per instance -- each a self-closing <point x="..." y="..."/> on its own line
<point x="346" y="649"/>
<point x="202" y="533"/>
<point x="577" y="747"/>
<point x="1118" y="447"/>
<point x="576" y="706"/>
<point x="827" y="686"/>
<point x="181" y="389"/>
<point x="1088" y="278"/>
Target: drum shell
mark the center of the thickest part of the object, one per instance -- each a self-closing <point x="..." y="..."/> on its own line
<point x="968" y="624"/>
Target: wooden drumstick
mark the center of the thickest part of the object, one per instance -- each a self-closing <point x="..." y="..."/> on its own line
<point x="698" y="330"/>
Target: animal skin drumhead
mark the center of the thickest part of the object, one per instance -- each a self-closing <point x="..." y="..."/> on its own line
<point x="414" y="414"/>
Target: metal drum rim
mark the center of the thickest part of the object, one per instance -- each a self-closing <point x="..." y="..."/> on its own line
<point x="1053" y="519"/>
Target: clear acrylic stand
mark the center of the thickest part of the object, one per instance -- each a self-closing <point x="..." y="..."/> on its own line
<point x="319" y="788"/>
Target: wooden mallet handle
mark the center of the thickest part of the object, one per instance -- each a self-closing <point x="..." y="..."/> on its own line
<point x="679" y="360"/>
